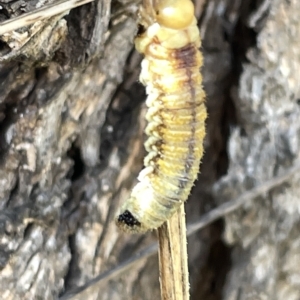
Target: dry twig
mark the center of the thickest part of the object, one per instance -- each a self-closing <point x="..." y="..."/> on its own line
<point x="173" y="261"/>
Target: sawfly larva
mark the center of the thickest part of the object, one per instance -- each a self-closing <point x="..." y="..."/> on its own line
<point x="169" y="38"/>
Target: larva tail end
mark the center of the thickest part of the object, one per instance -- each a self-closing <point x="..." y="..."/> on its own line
<point x="128" y="223"/>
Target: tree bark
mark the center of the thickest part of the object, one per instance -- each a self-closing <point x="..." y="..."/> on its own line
<point x="71" y="145"/>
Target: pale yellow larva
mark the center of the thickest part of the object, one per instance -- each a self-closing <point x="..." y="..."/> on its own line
<point x="169" y="38"/>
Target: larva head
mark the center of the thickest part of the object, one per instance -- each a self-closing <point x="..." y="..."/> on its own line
<point x="174" y="14"/>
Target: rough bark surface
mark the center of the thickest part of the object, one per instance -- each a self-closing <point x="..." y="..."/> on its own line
<point x="71" y="144"/>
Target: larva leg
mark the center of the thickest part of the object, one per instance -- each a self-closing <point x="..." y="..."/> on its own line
<point x="170" y="70"/>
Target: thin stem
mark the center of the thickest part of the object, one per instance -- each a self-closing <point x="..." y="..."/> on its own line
<point x="173" y="261"/>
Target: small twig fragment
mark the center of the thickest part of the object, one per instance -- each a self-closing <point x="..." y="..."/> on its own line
<point x="42" y="13"/>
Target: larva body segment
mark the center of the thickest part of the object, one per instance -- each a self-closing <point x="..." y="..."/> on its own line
<point x="176" y="115"/>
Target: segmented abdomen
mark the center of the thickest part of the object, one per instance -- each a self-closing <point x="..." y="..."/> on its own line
<point x="176" y="130"/>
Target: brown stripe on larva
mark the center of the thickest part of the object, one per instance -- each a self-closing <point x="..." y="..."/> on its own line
<point x="186" y="59"/>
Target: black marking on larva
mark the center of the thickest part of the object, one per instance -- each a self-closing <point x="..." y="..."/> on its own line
<point x="141" y="30"/>
<point x="127" y="218"/>
<point x="181" y="184"/>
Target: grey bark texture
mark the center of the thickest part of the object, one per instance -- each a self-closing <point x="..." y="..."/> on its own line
<point x="71" y="145"/>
